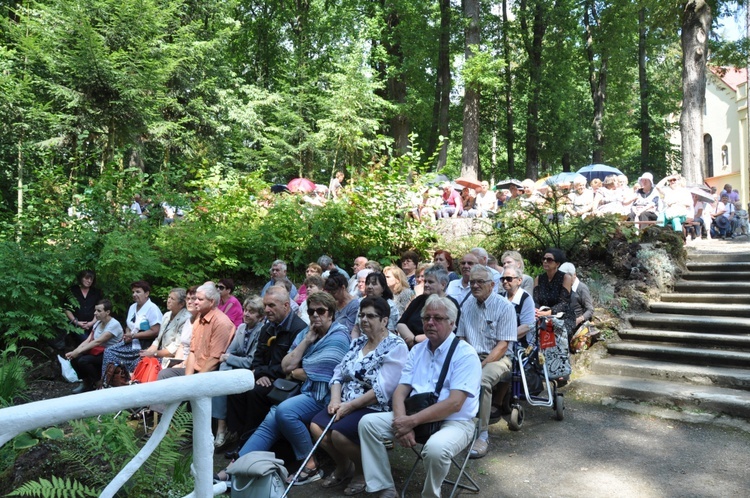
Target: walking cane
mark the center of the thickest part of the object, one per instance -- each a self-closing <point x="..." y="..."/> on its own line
<point x="299" y="471"/>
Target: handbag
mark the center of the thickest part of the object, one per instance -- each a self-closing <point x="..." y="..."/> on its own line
<point x="418" y="402"/>
<point x="283" y="389"/>
<point x="258" y="474"/>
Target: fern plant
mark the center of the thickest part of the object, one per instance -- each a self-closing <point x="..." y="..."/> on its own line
<point x="100" y="447"/>
<point x="13" y="367"/>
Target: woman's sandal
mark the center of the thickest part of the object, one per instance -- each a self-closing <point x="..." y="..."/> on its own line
<point x="333" y="480"/>
<point x="307" y="476"/>
<point x="356" y="486"/>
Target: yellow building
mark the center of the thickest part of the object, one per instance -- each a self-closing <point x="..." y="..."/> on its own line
<point x="725" y="130"/>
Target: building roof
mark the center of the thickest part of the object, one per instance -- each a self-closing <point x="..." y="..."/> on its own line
<point x="731" y="76"/>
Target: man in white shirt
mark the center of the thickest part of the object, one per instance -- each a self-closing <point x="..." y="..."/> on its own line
<point x="459" y="289"/>
<point x="456" y="405"/>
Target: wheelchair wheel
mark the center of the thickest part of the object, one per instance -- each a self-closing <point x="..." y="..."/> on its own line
<point x="559" y="407"/>
<point x="516" y="418"/>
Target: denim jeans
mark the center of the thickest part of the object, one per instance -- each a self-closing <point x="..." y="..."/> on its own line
<point x="290" y="420"/>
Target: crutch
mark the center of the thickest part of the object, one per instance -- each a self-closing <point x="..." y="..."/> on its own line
<point x="299" y="471"/>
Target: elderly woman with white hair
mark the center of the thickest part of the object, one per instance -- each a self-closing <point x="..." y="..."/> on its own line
<point x="515" y="260"/>
<point x="581" y="199"/>
<point x="580" y="298"/>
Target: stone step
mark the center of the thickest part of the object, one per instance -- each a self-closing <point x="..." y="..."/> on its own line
<point x="732" y="402"/>
<point x="712" y="266"/>
<point x="734" y="378"/>
<point x="718" y="257"/>
<point x="706" y="298"/>
<point x="717" y="276"/>
<point x="689" y="339"/>
<point x="711" y="287"/>
<point x="705" y="324"/>
<point x="701" y="308"/>
<point x="680" y="354"/>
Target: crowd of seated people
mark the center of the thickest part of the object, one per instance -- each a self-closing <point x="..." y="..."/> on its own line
<point x="356" y="355"/>
<point x="696" y="211"/>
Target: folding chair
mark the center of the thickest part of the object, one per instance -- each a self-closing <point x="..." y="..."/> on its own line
<point x="455" y="462"/>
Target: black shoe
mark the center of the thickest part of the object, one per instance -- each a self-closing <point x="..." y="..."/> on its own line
<point x="232" y="455"/>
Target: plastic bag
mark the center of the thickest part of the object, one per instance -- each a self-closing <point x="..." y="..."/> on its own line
<point x="68" y="372"/>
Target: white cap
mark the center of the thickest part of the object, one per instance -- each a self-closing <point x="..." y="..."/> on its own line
<point x="568" y="268"/>
<point x="646" y="176"/>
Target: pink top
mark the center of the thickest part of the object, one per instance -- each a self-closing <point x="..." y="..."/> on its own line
<point x="235" y="311"/>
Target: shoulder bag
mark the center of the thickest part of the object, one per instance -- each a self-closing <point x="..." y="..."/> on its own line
<point x="419" y="402"/>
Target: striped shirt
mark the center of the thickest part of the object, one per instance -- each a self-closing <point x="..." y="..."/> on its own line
<point x="485" y="324"/>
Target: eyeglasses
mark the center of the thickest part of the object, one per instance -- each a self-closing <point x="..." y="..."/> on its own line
<point x="434" y="318"/>
<point x="319" y="311"/>
<point x="549" y="260"/>
<point x="220" y="287"/>
<point x="470" y="263"/>
<point x="369" y="316"/>
<point x="478" y="282"/>
<point x="672" y="180"/>
<point x="508" y="279"/>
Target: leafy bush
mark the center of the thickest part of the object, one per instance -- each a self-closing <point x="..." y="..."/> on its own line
<point x="530" y="229"/>
<point x="13" y="368"/>
<point x="32" y="286"/>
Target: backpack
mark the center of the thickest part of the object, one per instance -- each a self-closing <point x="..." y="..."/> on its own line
<point x="147" y="370"/>
<point x="258" y="474"/>
<point x="115" y="375"/>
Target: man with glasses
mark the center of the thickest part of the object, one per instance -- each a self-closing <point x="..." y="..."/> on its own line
<point x="521" y="300"/>
<point x="245" y="411"/>
<point x="459" y="289"/>
<point x="488" y="323"/>
<point x="456" y="405"/>
<point x="483" y="257"/>
<point x="278" y="274"/>
<point x="359" y="265"/>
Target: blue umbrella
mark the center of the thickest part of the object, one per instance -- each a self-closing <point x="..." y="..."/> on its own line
<point x="600" y="171"/>
<point x="564" y="178"/>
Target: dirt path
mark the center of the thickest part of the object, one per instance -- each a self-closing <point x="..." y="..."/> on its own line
<point x="599" y="451"/>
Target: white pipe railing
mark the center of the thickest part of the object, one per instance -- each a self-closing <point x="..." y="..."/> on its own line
<point x="198" y="389"/>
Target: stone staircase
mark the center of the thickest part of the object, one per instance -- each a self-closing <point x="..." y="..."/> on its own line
<point x="691" y="350"/>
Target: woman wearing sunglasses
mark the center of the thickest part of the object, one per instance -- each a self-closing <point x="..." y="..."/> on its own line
<point x="229" y="304"/>
<point x="552" y="297"/>
<point x="362" y="383"/>
<point x="312" y="358"/>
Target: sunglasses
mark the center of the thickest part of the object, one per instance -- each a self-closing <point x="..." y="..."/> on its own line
<point x="435" y="318"/>
<point x="549" y="260"/>
<point x="673" y="180"/>
<point x="369" y="316"/>
<point x="319" y="311"/>
<point x="508" y="279"/>
<point x="220" y="287"/>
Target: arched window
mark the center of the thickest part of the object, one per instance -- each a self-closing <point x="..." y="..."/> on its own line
<point x="708" y="158"/>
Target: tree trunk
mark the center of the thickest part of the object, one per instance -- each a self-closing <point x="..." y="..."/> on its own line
<point x="696" y="25"/>
<point x="534" y="51"/>
<point x="470" y="145"/>
<point x="439" y="127"/>
<point x="396" y="84"/>
<point x="597" y="79"/>
<point x="510" y="136"/>
<point x="645" y="118"/>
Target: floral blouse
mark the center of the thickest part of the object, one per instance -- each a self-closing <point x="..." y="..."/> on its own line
<point x="379" y="370"/>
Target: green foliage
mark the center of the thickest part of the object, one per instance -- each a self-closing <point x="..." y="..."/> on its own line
<point x="100" y="447"/>
<point x="32" y="282"/>
<point x="530" y="228"/>
<point x="30" y="439"/>
<point x="54" y="488"/>
<point x="13" y="368"/>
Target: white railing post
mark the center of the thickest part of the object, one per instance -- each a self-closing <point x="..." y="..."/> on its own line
<point x="203" y="447"/>
<point x="199" y="389"/>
